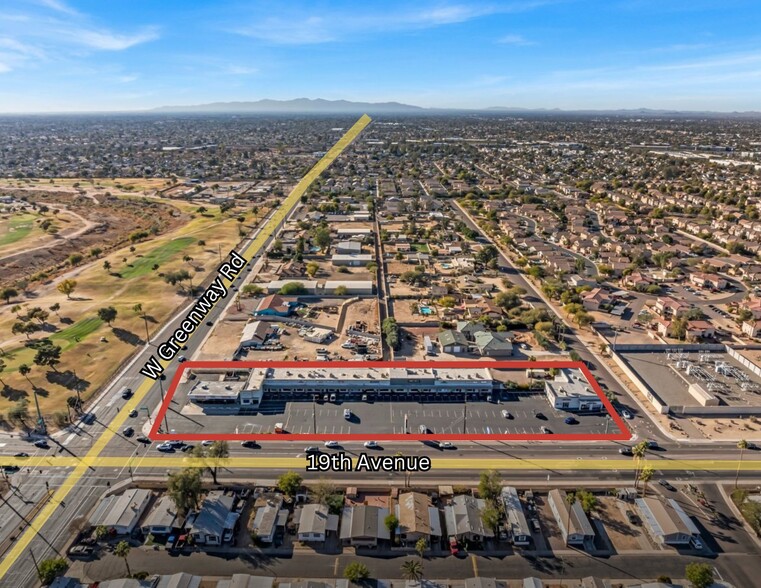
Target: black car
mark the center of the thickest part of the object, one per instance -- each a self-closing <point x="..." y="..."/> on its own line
<point x="21" y="454"/>
<point x="666" y="485"/>
<point x="128" y="432"/>
<point x="250" y="444"/>
<point x="143" y="439"/>
<point x="209" y="324"/>
<point x="540" y="416"/>
<point x="11" y="469"/>
<point x="42" y="444"/>
<point x="127" y="393"/>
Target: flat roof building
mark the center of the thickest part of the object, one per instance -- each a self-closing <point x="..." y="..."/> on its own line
<point x="569" y="390"/>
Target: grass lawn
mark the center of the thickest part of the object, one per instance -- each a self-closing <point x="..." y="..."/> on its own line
<point x="159" y="255"/>
<point x="16" y="228"/>
<point x="420" y="247"/>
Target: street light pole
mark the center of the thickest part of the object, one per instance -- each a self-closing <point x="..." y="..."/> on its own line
<point x="161" y="388"/>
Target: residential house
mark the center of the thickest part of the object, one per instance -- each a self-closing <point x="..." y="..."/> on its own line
<point x="351" y="259"/>
<point x="517" y="527"/>
<point x="667" y="306"/>
<point x="179" y="580"/>
<point x="491" y="344"/>
<point x="275" y="286"/>
<point x="417" y="517"/>
<point x="752" y="328"/>
<point x="364" y="525"/>
<point x="215" y="519"/>
<point x="667" y="522"/>
<point x="315" y="522"/>
<point x="452" y="341"/>
<point x="463" y="518"/>
<point x="572" y="520"/>
<point x="120" y="513"/>
<point x="246" y="581"/>
<point x="268" y="518"/>
<point x="163" y="518"/>
<point x="595" y="299"/>
<point x="276" y="305"/>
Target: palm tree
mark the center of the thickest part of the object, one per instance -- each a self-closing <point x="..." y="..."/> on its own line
<point x="646" y="474"/>
<point x="122" y="550"/>
<point x="639" y="451"/>
<point x="742" y="445"/>
<point x="412" y="569"/>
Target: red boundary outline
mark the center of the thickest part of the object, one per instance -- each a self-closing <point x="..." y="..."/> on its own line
<point x="622" y="435"/>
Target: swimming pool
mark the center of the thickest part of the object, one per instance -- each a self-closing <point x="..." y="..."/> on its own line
<point x="426" y="310"/>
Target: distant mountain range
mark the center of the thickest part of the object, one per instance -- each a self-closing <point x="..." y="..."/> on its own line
<point x="298" y="105"/>
<point x="322" y="106"/>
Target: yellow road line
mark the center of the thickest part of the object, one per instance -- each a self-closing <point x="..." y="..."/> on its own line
<point x="288" y="204"/>
<point x="475" y="464"/>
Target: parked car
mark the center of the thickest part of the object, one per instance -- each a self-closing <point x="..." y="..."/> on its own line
<point x="696" y="543"/>
<point x="540" y="416"/>
<point x="545" y="430"/>
<point x="347" y="414"/>
<point x="507" y="414"/>
<point x="570" y="421"/>
<point x="633" y="518"/>
<point x="81" y="551"/>
<point x="626" y="414"/>
<point x="423" y="429"/>
<point x="453" y="548"/>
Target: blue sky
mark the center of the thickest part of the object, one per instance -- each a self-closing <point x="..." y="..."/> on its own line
<point x="75" y="55"/>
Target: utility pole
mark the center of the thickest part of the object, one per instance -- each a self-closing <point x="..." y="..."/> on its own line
<point x="40" y="420"/>
<point x="465" y="415"/>
<point x="161" y="387"/>
<point x="34" y="559"/>
<point x="314" y="413"/>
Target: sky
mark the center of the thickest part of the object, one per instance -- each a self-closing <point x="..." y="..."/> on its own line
<point x="114" y="55"/>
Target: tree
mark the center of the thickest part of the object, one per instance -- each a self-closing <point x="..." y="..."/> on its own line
<point x="587" y="500"/>
<point x="356" y="571"/>
<point x="184" y="488"/>
<point x="8" y="293"/>
<point x="323" y="490"/>
<point x="490" y="516"/>
<point x="107" y="265"/>
<point x="48" y="354"/>
<point x="312" y="269"/>
<point x="3" y="365"/>
<point x="19" y="412"/>
<point x="341" y="291"/>
<point x="489" y="485"/>
<point x="251" y="290"/>
<point x="412" y="569"/>
<point x="217" y="452"/>
<point x="322" y="237"/>
<point x="55" y="308"/>
<point x="420" y="546"/>
<point x="67" y="287"/>
<point x="391" y="523"/>
<point x="292" y="289"/>
<point x="645" y="475"/>
<point x="107" y="314"/>
<point x="50" y="569"/>
<point x="700" y="575"/>
<point x="639" y="451"/>
<point x="122" y="550"/>
<point x="742" y="445"/>
<point x="289" y="483"/>
<point x="101" y="532"/>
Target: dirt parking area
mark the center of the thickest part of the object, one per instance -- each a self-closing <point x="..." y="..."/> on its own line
<point x="222" y="343"/>
<point x="364" y="311"/>
<point x="623" y="535"/>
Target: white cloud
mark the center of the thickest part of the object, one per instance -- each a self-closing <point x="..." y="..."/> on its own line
<point x="240" y="70"/>
<point x="518" y="40"/>
<point x="56" y="5"/>
<point x="108" y="41"/>
<point x="298" y="30"/>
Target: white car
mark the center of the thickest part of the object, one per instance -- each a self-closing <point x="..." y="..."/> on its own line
<point x="347" y="413"/>
<point x="545" y="430"/>
<point x="332" y="444"/>
<point x="423" y="429"/>
<point x="506" y="414"/>
<point x="627" y="415"/>
<point x="165" y="447"/>
<point x="207" y="443"/>
<point x="371" y="444"/>
<point x="445" y="445"/>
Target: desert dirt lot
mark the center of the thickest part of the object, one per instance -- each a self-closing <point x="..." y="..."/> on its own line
<point x="623" y="535"/>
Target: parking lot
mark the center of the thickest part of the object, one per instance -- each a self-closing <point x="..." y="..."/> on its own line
<point x="506" y="414"/>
